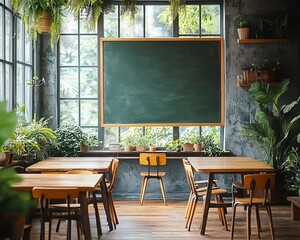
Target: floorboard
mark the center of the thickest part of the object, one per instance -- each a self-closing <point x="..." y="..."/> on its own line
<point x="153" y="220"/>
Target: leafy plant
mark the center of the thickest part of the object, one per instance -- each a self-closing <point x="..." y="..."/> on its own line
<point x="242" y="20"/>
<point x="266" y="65"/>
<point x="36" y="82"/>
<point x="68" y="140"/>
<point x="292" y="171"/>
<point x="176" y="6"/>
<point x="89" y="139"/>
<point x="142" y="140"/>
<point x="195" y="139"/>
<point x="174" y="145"/>
<point x="31" y="12"/>
<point x="210" y="146"/>
<point x="278" y="25"/>
<point x="8" y="123"/>
<point x="274" y="123"/>
<point x="128" y="141"/>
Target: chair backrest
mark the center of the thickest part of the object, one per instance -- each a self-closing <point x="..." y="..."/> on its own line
<point x="153" y="159"/>
<point x="55" y="193"/>
<point x="79" y="172"/>
<point x="190" y="177"/>
<point x="186" y="162"/>
<point x="260" y="182"/>
<point x="114" y="168"/>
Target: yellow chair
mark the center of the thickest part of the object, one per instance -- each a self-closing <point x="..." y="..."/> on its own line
<point x="201" y="192"/>
<point x="152" y="160"/>
<point x="258" y="188"/>
<point x="49" y="211"/>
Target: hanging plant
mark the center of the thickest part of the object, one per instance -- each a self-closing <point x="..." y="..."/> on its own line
<point x="130" y="7"/>
<point x="176" y="6"/>
<point x="32" y="13"/>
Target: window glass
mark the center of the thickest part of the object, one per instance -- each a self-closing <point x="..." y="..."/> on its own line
<point x="1" y="82"/>
<point x="89" y="112"/>
<point x="111" y="24"/>
<point x="28" y="89"/>
<point x="186" y="132"/>
<point x="210" y="21"/>
<point x="69" y="50"/>
<point x="8" y="80"/>
<point x="156" y="26"/>
<point x="89" y="82"/>
<point x="68" y="24"/>
<point x="69" y="82"/>
<point x="88" y="50"/>
<point x="110" y="135"/>
<point x="1" y="34"/>
<point x="189" y="20"/>
<point x="28" y="48"/>
<point x="69" y="114"/>
<point x="8" y="36"/>
<point x="132" y="27"/>
<point x="20" y="84"/>
<point x="20" y="39"/>
<point x="159" y="136"/>
<point x="85" y="27"/>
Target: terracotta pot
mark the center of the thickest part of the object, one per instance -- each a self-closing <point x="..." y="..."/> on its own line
<point x="44" y="25"/>
<point x="198" y="147"/>
<point x="187" y="147"/>
<point x="152" y="149"/>
<point x="84" y="147"/>
<point x="141" y="148"/>
<point x="128" y="149"/>
<point x="243" y="33"/>
<point x="3" y="159"/>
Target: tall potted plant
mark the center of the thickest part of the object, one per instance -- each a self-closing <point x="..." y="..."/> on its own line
<point x="276" y="127"/>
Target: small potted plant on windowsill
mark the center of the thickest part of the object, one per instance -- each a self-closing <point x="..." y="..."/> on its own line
<point x="128" y="143"/>
<point x="244" y="22"/>
<point x="174" y="145"/>
<point x="87" y="141"/>
<point x="198" y="143"/>
<point x="141" y="143"/>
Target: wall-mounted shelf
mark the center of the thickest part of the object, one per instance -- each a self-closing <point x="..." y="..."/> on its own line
<point x="269" y="40"/>
<point x="248" y="84"/>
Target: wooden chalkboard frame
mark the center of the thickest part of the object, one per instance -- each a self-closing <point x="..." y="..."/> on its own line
<point x="102" y="82"/>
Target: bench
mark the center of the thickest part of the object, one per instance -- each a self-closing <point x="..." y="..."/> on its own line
<point x="295" y="207"/>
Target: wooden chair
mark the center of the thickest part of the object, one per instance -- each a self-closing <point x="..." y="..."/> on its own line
<point x="201" y="192"/>
<point x="49" y="211"/>
<point x="152" y="160"/>
<point x="259" y="188"/>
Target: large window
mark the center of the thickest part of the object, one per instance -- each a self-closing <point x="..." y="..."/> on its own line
<point x="16" y="61"/>
<point x="78" y="62"/>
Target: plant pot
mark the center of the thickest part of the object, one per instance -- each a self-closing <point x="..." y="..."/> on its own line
<point x="279" y="194"/>
<point x="84" y="147"/>
<point x="3" y="159"/>
<point x="140" y="148"/>
<point x="128" y="149"/>
<point x="266" y="75"/>
<point x="243" y="33"/>
<point x="187" y="147"/>
<point x="249" y="75"/>
<point x="152" y="149"/>
<point x="12" y="225"/>
<point x="198" y="147"/>
<point x="44" y="24"/>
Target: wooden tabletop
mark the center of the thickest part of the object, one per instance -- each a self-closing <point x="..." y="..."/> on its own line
<point x="86" y="183"/>
<point x="63" y="164"/>
<point x="229" y="165"/>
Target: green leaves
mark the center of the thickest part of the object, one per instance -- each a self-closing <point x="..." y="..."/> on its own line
<point x="8" y="123"/>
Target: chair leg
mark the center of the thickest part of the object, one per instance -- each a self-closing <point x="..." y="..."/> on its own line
<point x="187" y="206"/>
<point x="50" y="227"/>
<point x="248" y="222"/>
<point x="233" y="221"/>
<point x="143" y="190"/>
<point x="163" y="190"/>
<point x="98" y="222"/>
<point x="258" y="224"/>
<point x="114" y="209"/>
<point x="78" y="229"/>
<point x="270" y="222"/>
<point x="193" y="209"/>
<point x="58" y="225"/>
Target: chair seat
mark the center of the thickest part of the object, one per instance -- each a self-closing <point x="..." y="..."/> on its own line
<point x="255" y="201"/>
<point x="64" y="206"/>
<point x="153" y="174"/>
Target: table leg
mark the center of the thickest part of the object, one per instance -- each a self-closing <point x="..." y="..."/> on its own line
<point x="206" y="203"/>
<point x="106" y="203"/>
<point x="85" y="215"/>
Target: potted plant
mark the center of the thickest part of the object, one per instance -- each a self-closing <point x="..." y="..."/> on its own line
<point x="40" y="16"/>
<point x="260" y="28"/>
<point x="14" y="205"/>
<point x="141" y="143"/>
<point x="198" y="142"/>
<point x="187" y="145"/>
<point x="278" y="25"/>
<point x="152" y="143"/>
<point x="292" y="172"/>
<point x="210" y="146"/>
<point x="243" y="22"/>
<point x="275" y="129"/>
<point x="87" y="141"/>
<point x="174" y="145"/>
<point x="128" y="143"/>
<point x="266" y="71"/>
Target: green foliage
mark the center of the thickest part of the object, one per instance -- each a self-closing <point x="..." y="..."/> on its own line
<point x="142" y="140"/>
<point x="8" y="122"/>
<point x="12" y="200"/>
<point x="242" y="20"/>
<point x="31" y="12"/>
<point x="278" y="25"/>
<point x="68" y="141"/>
<point x="292" y="171"/>
<point x="274" y="123"/>
<point x="89" y="139"/>
<point x="266" y="65"/>
<point x="211" y="146"/>
<point x="174" y="145"/>
<point x="130" y="7"/>
<point x="176" y="6"/>
<point x="36" y="82"/>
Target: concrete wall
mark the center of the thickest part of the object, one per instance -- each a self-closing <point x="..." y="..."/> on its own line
<point x="239" y="107"/>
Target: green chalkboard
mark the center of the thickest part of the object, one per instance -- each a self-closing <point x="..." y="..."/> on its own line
<point x="165" y="81"/>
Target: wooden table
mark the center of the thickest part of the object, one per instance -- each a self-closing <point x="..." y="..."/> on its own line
<point x="225" y="165"/>
<point x="64" y="164"/>
<point x="88" y="183"/>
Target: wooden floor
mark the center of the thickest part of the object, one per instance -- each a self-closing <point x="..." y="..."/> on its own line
<point x="153" y="220"/>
